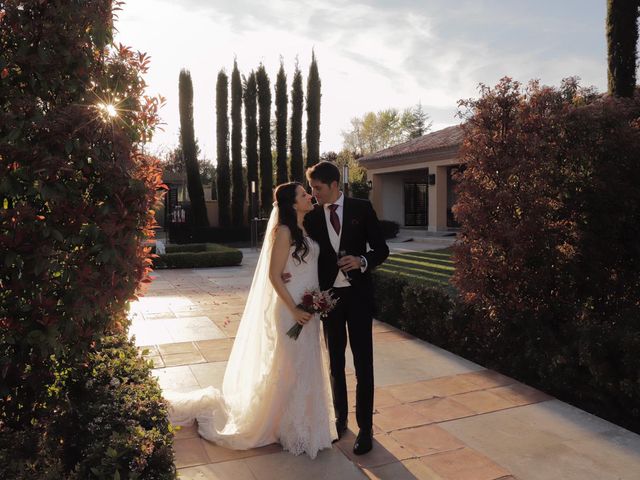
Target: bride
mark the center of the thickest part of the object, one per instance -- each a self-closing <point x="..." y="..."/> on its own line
<point x="275" y="388"/>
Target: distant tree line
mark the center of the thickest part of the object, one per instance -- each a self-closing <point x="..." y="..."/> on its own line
<point x="243" y="160"/>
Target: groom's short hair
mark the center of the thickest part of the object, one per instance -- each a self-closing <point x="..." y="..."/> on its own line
<point x="325" y="172"/>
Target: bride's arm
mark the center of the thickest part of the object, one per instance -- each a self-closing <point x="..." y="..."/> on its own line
<point x="277" y="264"/>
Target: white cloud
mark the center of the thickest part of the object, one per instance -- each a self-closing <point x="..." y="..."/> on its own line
<point x="372" y="55"/>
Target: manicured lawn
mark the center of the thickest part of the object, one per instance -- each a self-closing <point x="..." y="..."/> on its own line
<point x="430" y="266"/>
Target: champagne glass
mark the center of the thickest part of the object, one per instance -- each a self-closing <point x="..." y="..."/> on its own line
<point x="347" y="276"/>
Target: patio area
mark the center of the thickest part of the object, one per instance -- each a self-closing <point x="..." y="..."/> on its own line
<point x="437" y="416"/>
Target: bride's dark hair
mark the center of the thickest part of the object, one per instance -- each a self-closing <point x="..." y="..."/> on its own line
<point x="285" y="196"/>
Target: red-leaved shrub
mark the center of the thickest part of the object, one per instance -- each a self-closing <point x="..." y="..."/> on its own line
<point x="76" y="196"/>
<point x="549" y="249"/>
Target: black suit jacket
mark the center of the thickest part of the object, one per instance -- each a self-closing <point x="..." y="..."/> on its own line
<point x="359" y="226"/>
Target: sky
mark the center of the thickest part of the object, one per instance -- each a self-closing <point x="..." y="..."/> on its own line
<point x="371" y="55"/>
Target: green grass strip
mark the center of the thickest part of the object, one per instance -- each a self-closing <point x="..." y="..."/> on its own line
<point x="428" y="253"/>
<point x="417" y="277"/>
<point x="437" y="261"/>
<point x="446" y="253"/>
<point x="434" y="273"/>
<point x="423" y="264"/>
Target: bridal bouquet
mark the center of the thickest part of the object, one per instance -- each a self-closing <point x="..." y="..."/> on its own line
<point x="313" y="301"/>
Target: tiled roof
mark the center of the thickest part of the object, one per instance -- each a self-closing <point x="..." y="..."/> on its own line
<point x="442" y="139"/>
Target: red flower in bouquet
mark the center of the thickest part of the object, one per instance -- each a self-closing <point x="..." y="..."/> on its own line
<point x="313" y="301"/>
<point x="307" y="302"/>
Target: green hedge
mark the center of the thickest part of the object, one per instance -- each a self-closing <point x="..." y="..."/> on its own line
<point x="113" y="424"/>
<point x="417" y="307"/>
<point x="388" y="296"/>
<point x="438" y="315"/>
<point x="119" y="421"/>
<point x="189" y="247"/>
<point x="427" y="311"/>
<point x="198" y="255"/>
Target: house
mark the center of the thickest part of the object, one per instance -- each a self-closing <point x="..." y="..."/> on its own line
<point x="412" y="182"/>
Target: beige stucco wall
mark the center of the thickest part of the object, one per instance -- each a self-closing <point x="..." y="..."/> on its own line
<point x="387" y="195"/>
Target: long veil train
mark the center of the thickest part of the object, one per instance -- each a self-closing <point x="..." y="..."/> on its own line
<point x="229" y="416"/>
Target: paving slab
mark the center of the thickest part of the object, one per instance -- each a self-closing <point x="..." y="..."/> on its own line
<point x="551" y="440"/>
<point x="437" y="416"/>
<point x="330" y="464"/>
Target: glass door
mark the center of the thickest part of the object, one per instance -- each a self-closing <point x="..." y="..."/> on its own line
<point x="415" y="204"/>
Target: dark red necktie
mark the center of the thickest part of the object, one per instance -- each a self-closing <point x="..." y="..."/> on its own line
<point x="333" y="218"/>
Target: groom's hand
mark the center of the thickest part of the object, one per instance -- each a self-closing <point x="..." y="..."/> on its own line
<point x="286" y="277"/>
<point x="349" y="262"/>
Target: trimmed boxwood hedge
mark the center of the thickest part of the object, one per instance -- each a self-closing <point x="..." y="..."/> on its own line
<point x="438" y="315"/>
<point x="419" y="308"/>
<point x="198" y="255"/>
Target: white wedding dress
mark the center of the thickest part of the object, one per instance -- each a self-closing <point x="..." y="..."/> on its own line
<point x="275" y="388"/>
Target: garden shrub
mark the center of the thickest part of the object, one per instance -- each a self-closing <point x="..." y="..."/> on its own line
<point x="187" y="247"/>
<point x="426" y="312"/>
<point x="548" y="249"/>
<point x="387" y="296"/>
<point x="198" y="256"/>
<point x="547" y="257"/>
<point x="119" y="423"/>
<point x="76" y="205"/>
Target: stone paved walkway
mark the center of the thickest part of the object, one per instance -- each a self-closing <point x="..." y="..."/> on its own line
<point x="438" y="416"/>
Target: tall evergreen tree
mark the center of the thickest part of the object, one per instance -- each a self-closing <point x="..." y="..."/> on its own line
<point x="264" y="125"/>
<point x="188" y="145"/>
<point x="622" y="39"/>
<point x="238" y="193"/>
<point x="282" y="99"/>
<point x="222" y="139"/>
<point x="297" y="98"/>
<point x="313" y="113"/>
<point x="251" y="130"/>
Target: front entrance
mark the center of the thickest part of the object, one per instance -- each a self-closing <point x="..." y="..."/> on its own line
<point x="415" y="204"/>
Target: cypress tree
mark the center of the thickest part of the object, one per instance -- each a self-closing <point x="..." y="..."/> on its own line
<point x="222" y="139"/>
<point x="622" y="38"/>
<point x="189" y="151"/>
<point x="264" y="126"/>
<point x="297" y="98"/>
<point x="251" y="130"/>
<point x="313" y="113"/>
<point x="282" y="100"/>
<point x="238" y="193"/>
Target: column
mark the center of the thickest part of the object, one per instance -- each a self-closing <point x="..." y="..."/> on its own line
<point x="438" y="200"/>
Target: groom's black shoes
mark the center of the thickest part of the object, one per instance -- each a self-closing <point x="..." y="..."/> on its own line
<point x="364" y="442"/>
<point x="341" y="428"/>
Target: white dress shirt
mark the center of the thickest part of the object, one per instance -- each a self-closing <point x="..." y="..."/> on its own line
<point x="341" y="279"/>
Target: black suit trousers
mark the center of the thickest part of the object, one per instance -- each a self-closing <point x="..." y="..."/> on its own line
<point x="351" y="315"/>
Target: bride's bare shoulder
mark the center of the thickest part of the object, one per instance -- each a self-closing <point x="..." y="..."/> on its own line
<point x="282" y="232"/>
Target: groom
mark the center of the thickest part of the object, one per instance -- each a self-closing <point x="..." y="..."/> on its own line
<point x="343" y="227"/>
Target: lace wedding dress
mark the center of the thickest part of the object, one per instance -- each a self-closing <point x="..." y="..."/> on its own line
<point x="275" y="388"/>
